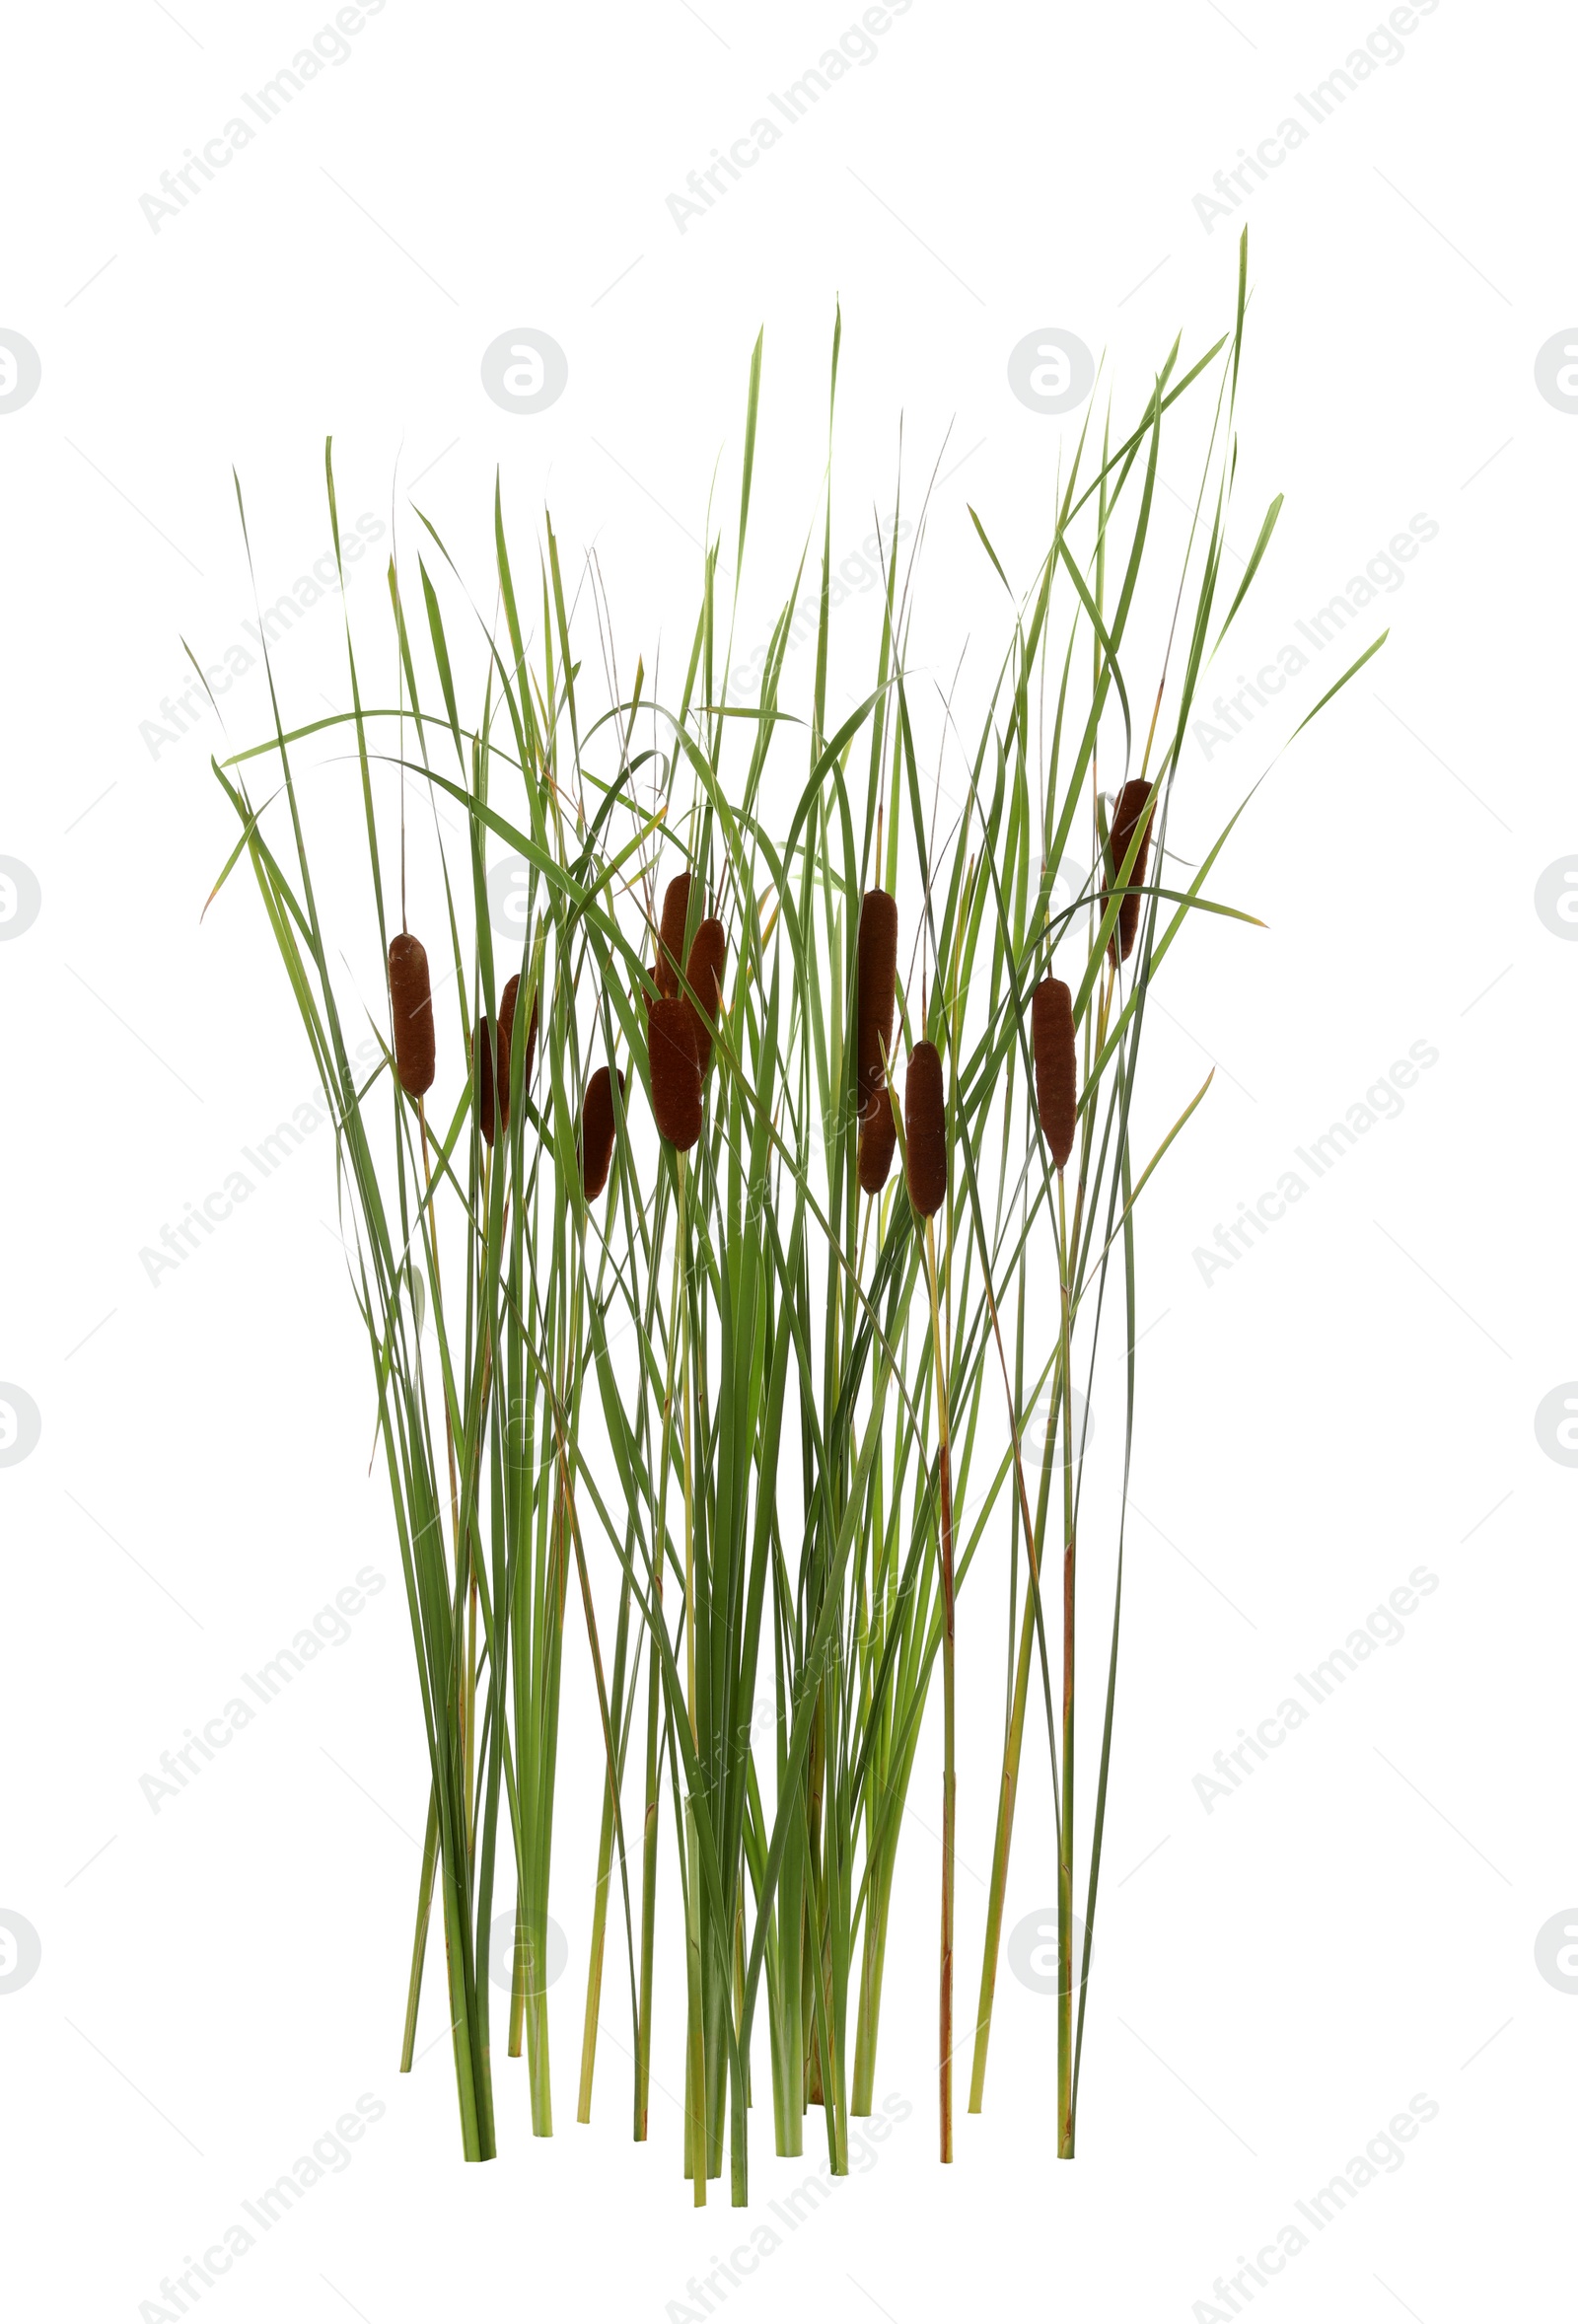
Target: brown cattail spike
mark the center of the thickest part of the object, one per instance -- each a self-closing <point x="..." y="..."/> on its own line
<point x="925" y="1131"/>
<point x="877" y="969"/>
<point x="874" y="1156"/>
<point x="1127" y="809"/>
<point x="596" y="1133"/>
<point x="1052" y="1023"/>
<point x="507" y="1001"/>
<point x="484" y="1079"/>
<point x="410" y="995"/>
<point x="703" y="974"/>
<point x="670" y="936"/>
<point x="874" y="979"/>
<point x="675" y="1071"/>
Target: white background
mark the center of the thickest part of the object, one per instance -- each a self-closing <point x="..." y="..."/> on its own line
<point x="1352" y="1400"/>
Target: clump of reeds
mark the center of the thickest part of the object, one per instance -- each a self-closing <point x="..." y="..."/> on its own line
<point x="737" y="1368"/>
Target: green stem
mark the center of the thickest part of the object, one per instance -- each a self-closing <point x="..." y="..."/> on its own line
<point x="424" y="1911"/>
<point x="1065" y="1851"/>
<point x="594" y="1975"/>
<point x="872" y="1955"/>
<point x="648" y="1869"/>
<point x="945" y="2000"/>
<point x="696" y="2035"/>
<point x="1012" y="1742"/>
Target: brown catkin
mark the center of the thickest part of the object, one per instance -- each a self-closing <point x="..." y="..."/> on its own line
<point x="596" y="1133"/>
<point x="1127" y="812"/>
<point x="925" y="1131"/>
<point x="874" y="1156"/>
<point x="675" y="1072"/>
<point x="1051" y="1022"/>
<point x="511" y="994"/>
<point x="671" y="935"/>
<point x="507" y="1000"/>
<point x="411" y="995"/>
<point x="705" y="975"/>
<point x="876" y="970"/>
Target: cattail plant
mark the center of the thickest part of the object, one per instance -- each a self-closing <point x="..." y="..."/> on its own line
<point x="1055" y="1066"/>
<point x="1056" y="1069"/>
<point x="675" y="1071"/>
<point x="926" y="1176"/>
<point x="745" y="1355"/>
